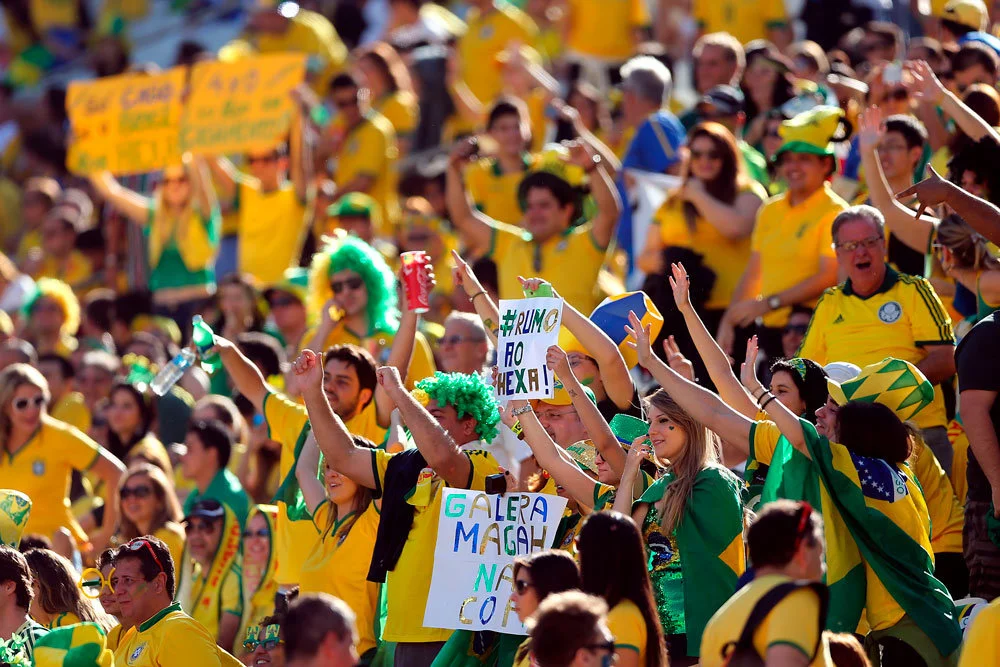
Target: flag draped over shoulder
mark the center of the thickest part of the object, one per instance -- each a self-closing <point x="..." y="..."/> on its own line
<point x="791" y="475"/>
<point x="710" y="541"/>
<point x="877" y="505"/>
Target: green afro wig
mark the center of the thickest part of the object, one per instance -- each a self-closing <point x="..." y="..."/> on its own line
<point x="351" y="253"/>
<point x="469" y="395"/>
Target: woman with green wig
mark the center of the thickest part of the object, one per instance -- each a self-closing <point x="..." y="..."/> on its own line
<point x="354" y="291"/>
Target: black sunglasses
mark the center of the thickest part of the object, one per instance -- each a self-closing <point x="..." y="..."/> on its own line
<point x="339" y="286"/>
<point x="796" y="328"/>
<point x="608" y="646"/>
<point x="137" y="491"/>
<point x="522" y="585"/>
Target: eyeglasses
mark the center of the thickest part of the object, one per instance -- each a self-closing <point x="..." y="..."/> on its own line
<point x="455" y="340"/>
<point x="138" y="543"/>
<point x="204" y="527"/>
<point x="708" y="155"/>
<point x="522" y="585"/>
<point x="339" y="286"/>
<point x="796" y="329"/>
<point x="92" y="583"/>
<point x="271" y="639"/>
<point x="137" y="491"/>
<point x="263" y="532"/>
<point x="851" y="246"/>
<point x="22" y="404"/>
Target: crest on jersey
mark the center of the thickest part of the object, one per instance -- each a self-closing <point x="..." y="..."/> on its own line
<point x="890" y="312"/>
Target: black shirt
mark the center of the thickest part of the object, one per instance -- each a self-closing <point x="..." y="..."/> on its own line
<point x="979" y="368"/>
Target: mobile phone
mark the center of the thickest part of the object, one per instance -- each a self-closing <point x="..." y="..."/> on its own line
<point x="893" y="73"/>
<point x="496" y="484"/>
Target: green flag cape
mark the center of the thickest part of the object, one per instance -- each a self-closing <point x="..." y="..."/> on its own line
<point x="710" y="541"/>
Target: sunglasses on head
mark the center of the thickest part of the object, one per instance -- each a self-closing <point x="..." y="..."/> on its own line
<point x="92" y="582"/>
<point x="24" y="403"/>
<point x="137" y="545"/>
<point x="339" y="286"/>
<point x="137" y="491"/>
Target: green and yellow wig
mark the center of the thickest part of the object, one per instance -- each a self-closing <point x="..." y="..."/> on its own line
<point x="351" y="253"/>
<point x="468" y="394"/>
<point x="62" y="294"/>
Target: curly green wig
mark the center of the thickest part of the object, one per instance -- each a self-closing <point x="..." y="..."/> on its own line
<point x="469" y="395"/>
<point x="351" y="253"/>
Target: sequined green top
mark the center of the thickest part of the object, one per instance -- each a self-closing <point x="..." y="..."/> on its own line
<point x="664" y="563"/>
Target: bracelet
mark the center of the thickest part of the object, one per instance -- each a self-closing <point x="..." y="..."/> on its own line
<point x="767" y="402"/>
<point x="521" y="410"/>
<point x="763" y="390"/>
<point x="761" y="398"/>
<point x="479" y="293"/>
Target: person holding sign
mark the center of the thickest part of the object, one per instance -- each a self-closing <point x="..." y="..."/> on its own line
<point x="451" y="418"/>
<point x="181" y="223"/>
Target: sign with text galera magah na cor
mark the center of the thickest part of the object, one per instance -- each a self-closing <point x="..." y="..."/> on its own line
<point x="528" y="327"/>
<point x="479" y="536"/>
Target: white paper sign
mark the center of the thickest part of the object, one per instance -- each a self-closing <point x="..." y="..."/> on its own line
<point x="479" y="536"/>
<point x="528" y="327"/>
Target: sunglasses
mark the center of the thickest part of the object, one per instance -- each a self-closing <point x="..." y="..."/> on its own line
<point x="138" y="543"/>
<point x="271" y="640"/>
<point x="282" y="301"/>
<point x="204" y="527"/>
<point x="522" y="585"/>
<point x="22" y="404"/>
<point x="455" y="340"/>
<point x="339" y="286"/>
<point x="139" y="492"/>
<point x="608" y="645"/>
<point x="708" y="155"/>
<point x="796" y="329"/>
<point x="263" y="532"/>
<point x="92" y="582"/>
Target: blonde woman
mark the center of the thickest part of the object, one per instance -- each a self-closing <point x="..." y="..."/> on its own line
<point x="38" y="454"/>
<point x="181" y="223"/>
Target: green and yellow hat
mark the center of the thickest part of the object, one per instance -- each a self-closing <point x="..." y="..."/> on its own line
<point x="896" y="384"/>
<point x="812" y="131"/>
<point x="79" y="645"/>
<point x="584" y="453"/>
<point x="356" y="205"/>
<point x="295" y="281"/>
<point x="15" y="507"/>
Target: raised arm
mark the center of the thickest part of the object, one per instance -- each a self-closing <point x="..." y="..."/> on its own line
<point x="202" y="189"/>
<point x="610" y="364"/>
<point x="480" y="299"/>
<point x="475" y="228"/>
<point x="568" y="113"/>
<point x="916" y="232"/>
<point x="562" y="468"/>
<point x="332" y="437"/>
<point x="246" y="377"/>
<point x="981" y="215"/>
<point x="306" y="468"/>
<point x="227" y="177"/>
<point x="701" y="404"/>
<point x="716" y="361"/>
<point x="641" y="449"/>
<point x="133" y="205"/>
<point x="301" y="155"/>
<point x="400" y="354"/>
<point x="602" y="188"/>
<point x="437" y="446"/>
<point x="928" y="88"/>
<point x="597" y="428"/>
<point x="787" y="421"/>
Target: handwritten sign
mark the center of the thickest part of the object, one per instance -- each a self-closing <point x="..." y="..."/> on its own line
<point x="124" y="124"/>
<point x="528" y="327"/>
<point x="479" y="536"/>
<point x="241" y="106"/>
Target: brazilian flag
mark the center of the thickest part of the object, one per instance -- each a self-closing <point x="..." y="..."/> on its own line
<point x="872" y="509"/>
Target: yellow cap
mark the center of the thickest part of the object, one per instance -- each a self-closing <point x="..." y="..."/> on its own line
<point x="811" y="131"/>
<point x="970" y="13"/>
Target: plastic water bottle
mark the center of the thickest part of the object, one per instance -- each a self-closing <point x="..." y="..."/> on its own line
<point x="172" y="372"/>
<point x="204" y="339"/>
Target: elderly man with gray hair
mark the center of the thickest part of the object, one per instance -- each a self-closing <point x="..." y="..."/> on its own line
<point x="877" y="313"/>
<point x="646" y="86"/>
<point x="464" y="347"/>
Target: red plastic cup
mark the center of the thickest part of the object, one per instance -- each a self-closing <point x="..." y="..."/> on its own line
<point x="415" y="269"/>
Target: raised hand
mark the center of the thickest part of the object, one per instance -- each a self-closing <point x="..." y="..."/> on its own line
<point x="676" y="359"/>
<point x="748" y="370"/>
<point x="464" y="276"/>
<point x="922" y="82"/>
<point x="640" y="336"/>
<point x="681" y="285"/>
<point x="309" y="368"/>
<point x="641" y="449"/>
<point x="931" y="191"/>
<point x="389" y="380"/>
<point x="558" y="362"/>
<point x="870" y="127"/>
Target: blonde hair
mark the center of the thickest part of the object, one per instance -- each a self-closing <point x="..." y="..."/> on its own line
<point x="13" y="377"/>
<point x="169" y="512"/>
<point x="701" y="451"/>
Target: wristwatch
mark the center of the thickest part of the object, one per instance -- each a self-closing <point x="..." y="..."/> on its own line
<point x="774" y="302"/>
<point x="595" y="163"/>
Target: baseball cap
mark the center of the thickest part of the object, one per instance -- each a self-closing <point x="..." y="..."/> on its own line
<point x="727" y="100"/>
<point x="970" y="13"/>
<point x="206" y="508"/>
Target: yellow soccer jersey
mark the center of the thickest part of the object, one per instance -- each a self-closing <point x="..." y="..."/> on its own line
<point x="604" y="28"/>
<point x="570" y="261"/>
<point x="744" y="19"/>
<point x="947" y="516"/>
<point x="41" y="469"/>
<point x="370" y="149"/>
<point x="286" y="423"/>
<point x="402" y="110"/>
<point x="409" y="584"/>
<point x="900" y="320"/>
<point x="495" y="193"/>
<point x="272" y="229"/>
<point x="628" y="627"/>
<point x="794" y="621"/>
<point x="170" y="638"/>
<point x="313" y="34"/>
<point x="982" y="640"/>
<point x="72" y="410"/>
<point x="338" y="564"/>
<point x="791" y="240"/>
<point x="487" y="35"/>
<point x="230" y="602"/>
